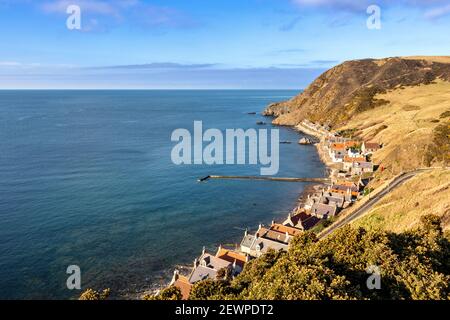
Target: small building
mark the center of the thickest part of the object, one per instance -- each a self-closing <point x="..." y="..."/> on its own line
<point x="237" y="259"/>
<point x="285" y="229"/>
<point x="337" y="152"/>
<point x="347" y="198"/>
<point x="349" y="160"/>
<point x="334" y="139"/>
<point x="346" y="190"/>
<point x="311" y="200"/>
<point x="182" y="283"/>
<point x="352" y="182"/>
<point x="207" y="266"/>
<point x="370" y="147"/>
<point x="256" y="246"/>
<point x="301" y="220"/>
<point x="273" y="235"/>
<point x="353" y="153"/>
<point x="337" y="201"/>
<point x="200" y="273"/>
<point x="351" y="144"/>
<point x="323" y="211"/>
<point x="358" y="168"/>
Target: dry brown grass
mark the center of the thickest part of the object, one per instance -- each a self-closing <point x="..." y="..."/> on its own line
<point x="441" y="59"/>
<point x="427" y="193"/>
<point x="408" y="121"/>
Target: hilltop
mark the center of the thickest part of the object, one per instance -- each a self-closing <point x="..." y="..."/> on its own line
<point x="351" y="87"/>
<point x="402" y="104"/>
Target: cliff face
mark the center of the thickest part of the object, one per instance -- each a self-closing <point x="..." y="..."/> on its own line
<point x="351" y="87"/>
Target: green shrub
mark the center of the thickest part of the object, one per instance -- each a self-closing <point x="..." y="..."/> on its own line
<point x="169" y="293"/>
<point x="413" y="265"/>
<point x="91" y="294"/>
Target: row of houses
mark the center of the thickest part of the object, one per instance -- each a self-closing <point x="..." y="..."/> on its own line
<point x="230" y="262"/>
<point x="321" y="129"/>
<point x="325" y="203"/>
<point x="347" y="185"/>
<point x="351" y="154"/>
<point x="225" y="263"/>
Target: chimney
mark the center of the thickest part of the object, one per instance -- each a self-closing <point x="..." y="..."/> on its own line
<point x="247" y="258"/>
<point x="195" y="263"/>
<point x="273" y="222"/>
<point x="175" y="277"/>
<point x="246" y="232"/>
<point x="204" y="250"/>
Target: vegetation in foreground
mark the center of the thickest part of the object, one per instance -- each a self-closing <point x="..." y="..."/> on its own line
<point x="413" y="265"/>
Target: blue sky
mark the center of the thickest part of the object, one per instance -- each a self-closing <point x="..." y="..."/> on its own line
<point x="168" y="44"/>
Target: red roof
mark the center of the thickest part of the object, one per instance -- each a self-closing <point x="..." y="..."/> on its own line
<point x="231" y="256"/>
<point x="183" y="284"/>
<point x="283" y="229"/>
<point x="337" y="146"/>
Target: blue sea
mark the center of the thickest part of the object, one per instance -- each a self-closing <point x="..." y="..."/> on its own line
<point x="86" y="179"/>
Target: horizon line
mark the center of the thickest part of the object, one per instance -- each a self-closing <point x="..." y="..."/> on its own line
<point x="143" y="89"/>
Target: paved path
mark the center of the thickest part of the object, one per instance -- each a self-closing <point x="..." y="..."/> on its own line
<point x="369" y="204"/>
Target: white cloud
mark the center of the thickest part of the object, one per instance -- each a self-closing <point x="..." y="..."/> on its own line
<point x="87" y="6"/>
<point x="358" y="4"/>
<point x="10" y="64"/>
<point x="32" y="65"/>
<point x="437" y="12"/>
<point x="350" y="5"/>
<point x="95" y="12"/>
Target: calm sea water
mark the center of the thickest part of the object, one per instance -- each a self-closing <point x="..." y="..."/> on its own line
<point x="86" y="179"/>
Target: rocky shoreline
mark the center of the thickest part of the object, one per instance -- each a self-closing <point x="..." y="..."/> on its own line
<point x="324" y="158"/>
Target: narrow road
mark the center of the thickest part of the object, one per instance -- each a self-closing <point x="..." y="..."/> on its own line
<point x="369" y="204"/>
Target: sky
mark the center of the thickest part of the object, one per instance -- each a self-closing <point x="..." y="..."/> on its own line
<point x="206" y="44"/>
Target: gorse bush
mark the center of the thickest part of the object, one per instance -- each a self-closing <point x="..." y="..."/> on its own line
<point x="170" y="293"/>
<point x="91" y="294"/>
<point x="439" y="150"/>
<point x="413" y="265"/>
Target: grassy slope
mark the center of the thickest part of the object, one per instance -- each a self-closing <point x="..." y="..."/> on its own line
<point x="427" y="193"/>
<point x="440" y="59"/>
<point x="405" y="127"/>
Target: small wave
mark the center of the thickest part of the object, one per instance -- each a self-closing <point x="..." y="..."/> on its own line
<point x="24" y="118"/>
